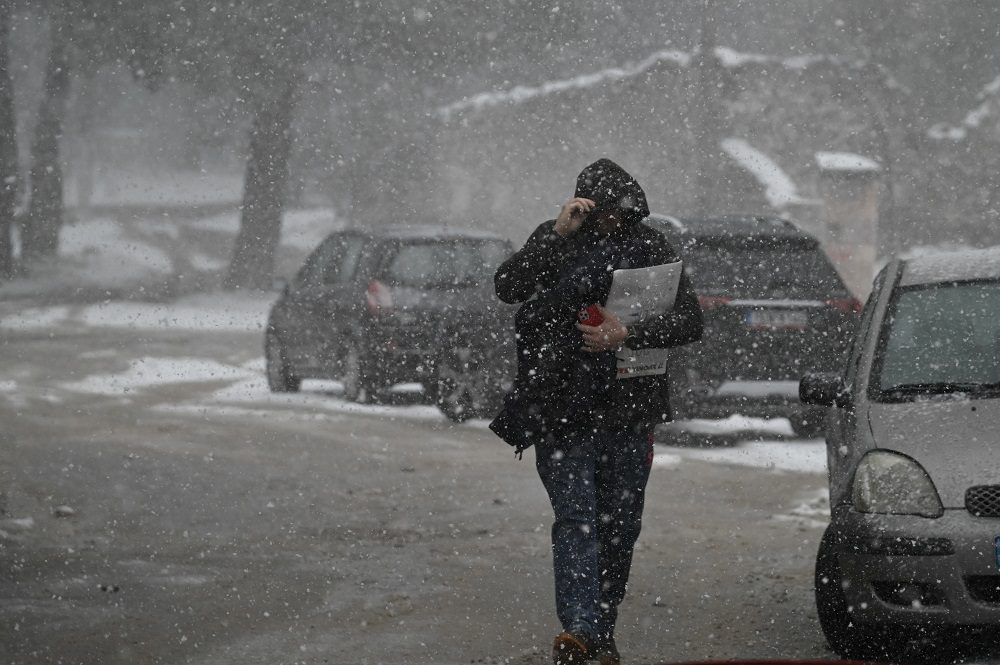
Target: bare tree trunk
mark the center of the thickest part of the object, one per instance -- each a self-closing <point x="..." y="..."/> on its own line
<point x="709" y="112"/>
<point x="8" y="148"/>
<point x="45" y="209"/>
<point x="264" y="190"/>
<point x="83" y="159"/>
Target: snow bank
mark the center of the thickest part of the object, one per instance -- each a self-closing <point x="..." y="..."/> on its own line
<point x="304" y="229"/>
<point x="95" y="253"/>
<point x="164" y="188"/>
<point x="301" y="229"/>
<point x="734" y="424"/>
<point x="103" y="253"/>
<point x="109" y="253"/>
<point x="812" y="511"/>
<point x="148" y="372"/>
<point x="776" y="455"/>
<point x="253" y="397"/>
<point x="795" y="456"/>
<point x="207" y="312"/>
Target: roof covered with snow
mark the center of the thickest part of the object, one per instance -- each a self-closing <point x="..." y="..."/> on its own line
<point x="522" y="93"/>
<point x="727" y="57"/>
<point x="964" y="265"/>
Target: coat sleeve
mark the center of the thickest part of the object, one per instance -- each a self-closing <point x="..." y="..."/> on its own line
<point x="532" y="268"/>
<point x="681" y="325"/>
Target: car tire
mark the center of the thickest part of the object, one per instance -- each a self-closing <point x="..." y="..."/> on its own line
<point x="848" y="639"/>
<point x="280" y="378"/>
<point x="357" y="374"/>
<point x="809" y="424"/>
<point x="464" y="387"/>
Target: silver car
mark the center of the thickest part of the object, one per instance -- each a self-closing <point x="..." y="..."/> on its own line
<point x="913" y="448"/>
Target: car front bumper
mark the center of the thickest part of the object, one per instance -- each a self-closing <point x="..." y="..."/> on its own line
<point x="904" y="569"/>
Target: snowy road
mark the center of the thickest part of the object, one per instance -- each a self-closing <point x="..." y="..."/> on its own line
<point x="160" y="505"/>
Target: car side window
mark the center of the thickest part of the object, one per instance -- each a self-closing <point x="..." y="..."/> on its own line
<point x="442" y="263"/>
<point x="333" y="262"/>
<point x="309" y="274"/>
<point x="340" y="267"/>
<point x="857" y="344"/>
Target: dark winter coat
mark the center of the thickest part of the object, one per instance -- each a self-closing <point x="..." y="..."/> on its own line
<point x="561" y="390"/>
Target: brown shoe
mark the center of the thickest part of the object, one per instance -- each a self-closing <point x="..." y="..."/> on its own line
<point x="568" y="649"/>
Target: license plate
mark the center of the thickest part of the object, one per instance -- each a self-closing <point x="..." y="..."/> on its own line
<point x="787" y="319"/>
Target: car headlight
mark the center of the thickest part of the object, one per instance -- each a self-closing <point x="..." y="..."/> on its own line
<point x="887" y="482"/>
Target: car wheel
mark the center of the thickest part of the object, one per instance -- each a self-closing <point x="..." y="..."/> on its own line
<point x="849" y="639"/>
<point x="463" y="388"/>
<point x="357" y="374"/>
<point x="280" y="378"/>
<point x="809" y="424"/>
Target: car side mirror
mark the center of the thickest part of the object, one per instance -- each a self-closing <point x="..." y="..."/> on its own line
<point x="824" y="389"/>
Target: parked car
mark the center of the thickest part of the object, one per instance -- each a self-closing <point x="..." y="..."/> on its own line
<point x="775" y="308"/>
<point x="376" y="307"/>
<point x="912" y="435"/>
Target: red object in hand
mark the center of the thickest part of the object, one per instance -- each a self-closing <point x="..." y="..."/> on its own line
<point x="591" y="316"/>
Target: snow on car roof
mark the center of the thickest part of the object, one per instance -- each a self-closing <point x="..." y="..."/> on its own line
<point x="955" y="266"/>
<point x="725" y="226"/>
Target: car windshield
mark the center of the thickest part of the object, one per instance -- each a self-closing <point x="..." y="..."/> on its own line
<point x="762" y="271"/>
<point x="436" y="264"/>
<point x="941" y="339"/>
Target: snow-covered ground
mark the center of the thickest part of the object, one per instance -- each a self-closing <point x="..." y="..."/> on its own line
<point x="226" y="313"/>
<point x="241" y="388"/>
<point x="775" y="455"/>
<point x="136" y="187"/>
<point x="216" y="312"/>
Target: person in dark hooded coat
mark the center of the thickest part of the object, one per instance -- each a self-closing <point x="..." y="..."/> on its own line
<point x="592" y="431"/>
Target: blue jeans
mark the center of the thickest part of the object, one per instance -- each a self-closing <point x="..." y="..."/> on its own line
<point x="596" y="484"/>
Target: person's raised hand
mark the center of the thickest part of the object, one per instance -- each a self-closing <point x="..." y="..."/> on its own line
<point x="608" y="336"/>
<point x="572" y="215"/>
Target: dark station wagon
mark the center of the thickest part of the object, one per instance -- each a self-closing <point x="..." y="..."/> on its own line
<point x="775" y="309"/>
<point x="376" y="307"/>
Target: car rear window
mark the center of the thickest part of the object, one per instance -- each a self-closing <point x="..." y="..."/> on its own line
<point x="766" y="272"/>
<point x="943" y="335"/>
<point x="443" y="264"/>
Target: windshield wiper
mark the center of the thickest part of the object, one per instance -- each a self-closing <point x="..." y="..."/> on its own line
<point x="942" y="387"/>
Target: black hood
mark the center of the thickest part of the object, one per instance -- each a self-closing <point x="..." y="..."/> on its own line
<point x="612" y="188"/>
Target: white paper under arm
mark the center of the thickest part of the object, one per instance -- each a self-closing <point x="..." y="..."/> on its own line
<point x="638" y="293"/>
